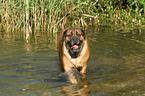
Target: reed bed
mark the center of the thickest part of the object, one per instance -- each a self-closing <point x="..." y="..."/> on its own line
<point x="32" y="15"/>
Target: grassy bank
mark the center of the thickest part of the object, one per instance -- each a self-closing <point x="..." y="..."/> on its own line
<point x="31" y="15"/>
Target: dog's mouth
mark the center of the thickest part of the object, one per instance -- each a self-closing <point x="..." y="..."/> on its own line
<point x="75" y="48"/>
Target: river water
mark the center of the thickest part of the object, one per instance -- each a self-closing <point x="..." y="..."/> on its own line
<point x="116" y="66"/>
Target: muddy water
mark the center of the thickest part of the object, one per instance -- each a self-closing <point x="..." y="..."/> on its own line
<point x="116" y="66"/>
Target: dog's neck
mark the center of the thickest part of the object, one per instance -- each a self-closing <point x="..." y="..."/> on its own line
<point x="75" y="55"/>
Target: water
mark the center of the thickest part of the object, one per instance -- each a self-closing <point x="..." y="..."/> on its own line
<point x="116" y="66"/>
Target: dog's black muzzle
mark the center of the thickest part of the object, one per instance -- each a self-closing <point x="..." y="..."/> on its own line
<point x="74" y="41"/>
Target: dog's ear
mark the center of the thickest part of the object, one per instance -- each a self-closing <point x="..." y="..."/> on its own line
<point x="64" y="34"/>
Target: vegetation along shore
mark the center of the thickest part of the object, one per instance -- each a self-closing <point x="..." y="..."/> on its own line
<point x="31" y="15"/>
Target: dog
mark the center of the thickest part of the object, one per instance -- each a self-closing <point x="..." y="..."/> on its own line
<point x="73" y="50"/>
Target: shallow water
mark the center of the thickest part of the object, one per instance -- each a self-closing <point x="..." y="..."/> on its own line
<point x="116" y="66"/>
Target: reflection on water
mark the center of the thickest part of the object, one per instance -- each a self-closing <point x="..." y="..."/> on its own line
<point x="116" y="65"/>
<point x="78" y="84"/>
<point x="80" y="89"/>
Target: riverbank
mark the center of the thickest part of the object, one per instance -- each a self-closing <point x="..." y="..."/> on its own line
<point x="29" y="15"/>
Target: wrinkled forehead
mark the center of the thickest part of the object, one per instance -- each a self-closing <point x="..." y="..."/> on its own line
<point x="74" y="31"/>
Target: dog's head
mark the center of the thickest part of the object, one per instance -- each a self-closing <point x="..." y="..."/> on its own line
<point x="74" y="41"/>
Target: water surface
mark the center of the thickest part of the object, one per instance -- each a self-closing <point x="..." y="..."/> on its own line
<point x="116" y="65"/>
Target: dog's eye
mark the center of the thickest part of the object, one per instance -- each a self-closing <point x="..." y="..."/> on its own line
<point x="70" y="35"/>
<point x="77" y="33"/>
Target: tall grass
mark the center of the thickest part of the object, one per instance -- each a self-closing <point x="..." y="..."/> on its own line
<point x="20" y="14"/>
<point x="32" y="15"/>
<point x="36" y="14"/>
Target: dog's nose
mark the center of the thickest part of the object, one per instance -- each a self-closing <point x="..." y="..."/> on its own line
<point x="75" y="40"/>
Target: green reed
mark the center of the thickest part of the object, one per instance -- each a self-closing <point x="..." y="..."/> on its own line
<point x="36" y="14"/>
<point x="32" y="15"/>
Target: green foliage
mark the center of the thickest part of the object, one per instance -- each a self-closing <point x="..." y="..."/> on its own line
<point x="50" y="14"/>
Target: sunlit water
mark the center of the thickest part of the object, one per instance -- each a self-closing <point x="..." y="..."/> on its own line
<point x="116" y="66"/>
